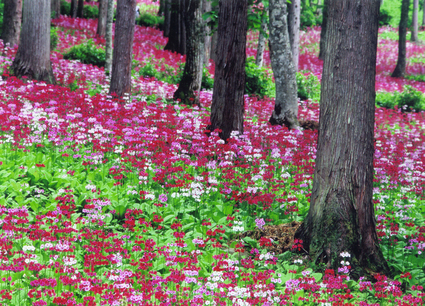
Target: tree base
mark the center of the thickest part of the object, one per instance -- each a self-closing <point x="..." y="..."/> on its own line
<point x="22" y="69"/>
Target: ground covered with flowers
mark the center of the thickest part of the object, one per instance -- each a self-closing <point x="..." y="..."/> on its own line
<point x="104" y="203"/>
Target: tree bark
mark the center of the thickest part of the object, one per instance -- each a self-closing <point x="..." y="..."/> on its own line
<point x="167" y="17"/>
<point x="323" y="31"/>
<point x="108" y="36"/>
<point x="227" y="107"/>
<point x="414" y="36"/>
<point x="12" y="16"/>
<point x="74" y="6"/>
<point x="341" y="216"/>
<point x="103" y="13"/>
<point x="423" y="16"/>
<point x="123" y="48"/>
<point x="33" y="57"/>
<point x="206" y="7"/>
<point x="177" y="36"/>
<point x="294" y="14"/>
<point x="56" y="8"/>
<point x="261" y="40"/>
<point x="400" y="68"/>
<point x="213" y="53"/>
<point x="286" y="101"/>
<point x="80" y="9"/>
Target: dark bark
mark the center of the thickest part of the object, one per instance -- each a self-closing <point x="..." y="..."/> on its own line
<point x="103" y="13"/>
<point x="177" y="36"/>
<point x="227" y="107"/>
<point x="323" y="31"/>
<point x="167" y="17"/>
<point x="213" y="52"/>
<point x="33" y="57"/>
<point x="206" y="7"/>
<point x="341" y="216"/>
<point x="74" y="6"/>
<point x="400" y="68"/>
<point x="261" y="40"/>
<point x="286" y="102"/>
<point x="56" y="8"/>
<point x="190" y="83"/>
<point x="414" y="36"/>
<point x="161" y="7"/>
<point x="12" y="16"/>
<point x="294" y="13"/>
<point x="108" y="36"/>
<point x="123" y="48"/>
<point x="80" y="9"/>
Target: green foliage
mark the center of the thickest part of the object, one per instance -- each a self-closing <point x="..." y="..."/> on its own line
<point x="207" y="80"/>
<point x="308" y="86"/>
<point x="258" y="79"/>
<point x="149" y="20"/>
<point x="54" y="39"/>
<point x="409" y="99"/>
<point x="308" y="17"/>
<point x="65" y="8"/>
<point x="87" y="53"/>
<point x="384" y="17"/>
<point x="90" y="12"/>
<point x="1" y="16"/>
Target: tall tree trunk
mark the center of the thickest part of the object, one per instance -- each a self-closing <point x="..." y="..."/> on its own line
<point x="123" y="48"/>
<point x="108" y="36"/>
<point x="227" y="107"/>
<point x="177" y="37"/>
<point x="103" y="13"/>
<point x="74" y="6"/>
<point x="182" y="17"/>
<point x="12" y="15"/>
<point x="414" y="36"/>
<point x="423" y="16"/>
<point x="286" y="101"/>
<point x="206" y="7"/>
<point x="56" y="8"/>
<point x="400" y="68"/>
<point x="341" y="216"/>
<point x="261" y="40"/>
<point x="294" y="14"/>
<point x="161" y="7"/>
<point x="80" y="10"/>
<point x="213" y="53"/>
<point x="167" y="17"/>
<point x="190" y="84"/>
<point x="323" y="31"/>
<point x="33" y="57"/>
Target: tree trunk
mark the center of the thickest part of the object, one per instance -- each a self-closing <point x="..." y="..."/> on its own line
<point x="33" y="57"/>
<point x="323" y="31"/>
<point x="294" y="13"/>
<point x="123" y="48"/>
<point x="108" y="36"/>
<point x="414" y="36"/>
<point x="161" y="7"/>
<point x="190" y="84"/>
<point x="400" y="69"/>
<point x="12" y="15"/>
<point x="167" y="17"/>
<point x="261" y="40"/>
<point x="56" y="8"/>
<point x="74" y="7"/>
<point x="206" y="7"/>
<point x="80" y="10"/>
<point x="286" y="101"/>
<point x="423" y="16"/>
<point x="341" y="216"/>
<point x="227" y="107"/>
<point x="177" y="37"/>
<point x="213" y="53"/>
<point x="103" y="13"/>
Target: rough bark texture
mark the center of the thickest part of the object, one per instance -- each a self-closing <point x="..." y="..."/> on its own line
<point x="123" y="48"/>
<point x="227" y="109"/>
<point x="103" y="14"/>
<point x="190" y="84"/>
<point x="56" y="8"/>
<point x="206" y="7"/>
<point x="261" y="40"/>
<point x="400" y="68"/>
<point x="341" y="216"/>
<point x="167" y="17"/>
<point x="74" y="6"/>
<point x="294" y="13"/>
<point x="323" y="31"/>
<point x="286" y="103"/>
<point x="33" y="57"/>
<point x="12" y="15"/>
<point x="415" y="21"/>
<point x="213" y="53"/>
<point x="177" y="36"/>
<point x="108" y="36"/>
<point x="80" y="9"/>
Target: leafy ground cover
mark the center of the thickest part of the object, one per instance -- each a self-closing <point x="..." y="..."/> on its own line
<point x="105" y="204"/>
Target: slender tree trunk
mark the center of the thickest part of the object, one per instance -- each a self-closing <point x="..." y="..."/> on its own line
<point x="261" y="40"/>
<point x="182" y="17"/>
<point x="80" y="9"/>
<point x="286" y="101"/>
<point x="123" y="48"/>
<point x="423" y="16"/>
<point x="294" y="13"/>
<point x="33" y="57"/>
<point x="12" y="16"/>
<point x="190" y="83"/>
<point x="323" y="31"/>
<point x="177" y="37"/>
<point x="341" y="216"/>
<point x="213" y="54"/>
<point x="74" y="6"/>
<point x="167" y="17"/>
<point x="56" y="8"/>
<point x="103" y="13"/>
<point x="108" y="36"/>
<point x="400" y="68"/>
<point x="227" y="107"/>
<point x="206" y="7"/>
<point x="414" y="36"/>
